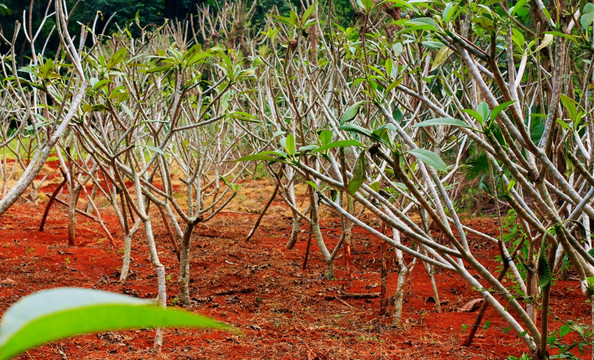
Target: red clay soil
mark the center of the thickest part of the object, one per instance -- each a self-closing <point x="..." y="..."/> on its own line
<point x="259" y="287"/>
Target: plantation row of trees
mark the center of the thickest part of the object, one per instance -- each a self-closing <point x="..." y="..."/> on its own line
<point x="383" y="117"/>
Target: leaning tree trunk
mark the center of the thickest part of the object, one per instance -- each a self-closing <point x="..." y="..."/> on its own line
<point x="42" y="154"/>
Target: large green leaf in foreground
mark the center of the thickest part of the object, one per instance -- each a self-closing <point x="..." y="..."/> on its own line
<point x="59" y="313"/>
<point x="430" y="158"/>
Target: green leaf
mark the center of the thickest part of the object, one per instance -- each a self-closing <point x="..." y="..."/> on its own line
<point x="571" y="106"/>
<point x="442" y="55"/>
<point x="308" y="12"/>
<point x="485" y="22"/>
<point x="96" y="107"/>
<point x="119" y="94"/>
<point x="196" y="55"/>
<point x="27" y="70"/>
<point x="499" y="108"/>
<point x="384" y="129"/>
<point x="243" y="116"/>
<point x="46" y="68"/>
<point x="475" y="114"/>
<point x="60" y="313"/>
<point x="449" y="12"/>
<point x="564" y="330"/>
<point x="326" y="137"/>
<point x="154" y="148"/>
<point x="432" y="45"/>
<point x="376" y="186"/>
<point x="563" y="124"/>
<point x="389" y="65"/>
<point x="278" y="133"/>
<point x="359" y="174"/>
<point x="398" y="49"/>
<point x="351" y="112"/>
<point x="518" y="38"/>
<point x="393" y="85"/>
<point x="5" y="10"/>
<point x="551" y="339"/>
<point x="334" y="195"/>
<point x="430" y="158"/>
<point x="229" y="184"/>
<point x="288" y="144"/>
<point x="306" y="148"/>
<point x="402" y="4"/>
<point x="365" y="4"/>
<point x="423" y="23"/>
<point x="401" y="186"/>
<point x="356" y="128"/>
<point x="514" y="9"/>
<point x="256" y="157"/>
<point x="283" y="19"/>
<point x="378" y="71"/>
<point x="590" y="280"/>
<point x="336" y="144"/>
<point x="312" y="184"/>
<point x="264" y="155"/>
<point x="293" y="18"/>
<point x="442" y="121"/>
<point x="483" y="109"/>
<point x="98" y="84"/>
<point x="587" y="15"/>
<point x="117" y="58"/>
<point x="37" y="126"/>
<point x="397" y="115"/>
<point x="544" y="271"/>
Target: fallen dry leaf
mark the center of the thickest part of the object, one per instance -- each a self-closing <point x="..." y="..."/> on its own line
<point x="471" y="305"/>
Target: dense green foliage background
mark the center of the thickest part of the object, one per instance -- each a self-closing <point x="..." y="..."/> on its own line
<point x="125" y="12"/>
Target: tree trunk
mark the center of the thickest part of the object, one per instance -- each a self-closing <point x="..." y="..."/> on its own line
<point x="128" y="250"/>
<point x="74" y="194"/>
<point x="184" y="264"/>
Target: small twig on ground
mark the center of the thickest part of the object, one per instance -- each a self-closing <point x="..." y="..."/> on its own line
<point x="372" y="295"/>
<point x="331" y="297"/>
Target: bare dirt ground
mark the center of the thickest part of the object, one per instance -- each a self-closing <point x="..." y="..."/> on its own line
<point x="259" y="287"/>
